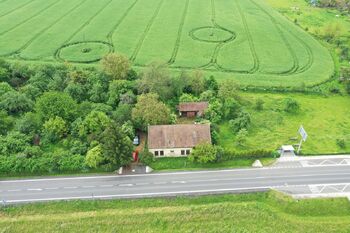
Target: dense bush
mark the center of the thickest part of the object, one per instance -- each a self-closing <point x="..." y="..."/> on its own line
<point x="241" y="122"/>
<point x="291" y="105"/>
<point x="254" y="154"/>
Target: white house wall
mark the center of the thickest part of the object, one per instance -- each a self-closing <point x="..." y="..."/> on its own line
<point x="170" y="152"/>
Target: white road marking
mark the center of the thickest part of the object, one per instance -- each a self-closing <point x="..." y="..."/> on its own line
<point x="179" y="182"/>
<point x="125" y="185"/>
<point x="52" y="188"/>
<point x="138" y="194"/>
<point x="87" y="186"/>
<point x="106" y="186"/>
<point x="145" y="175"/>
<point x="160" y="183"/>
<point x="14" y="190"/>
<point x="142" y="184"/>
<point x="70" y="187"/>
<point x="34" y="189"/>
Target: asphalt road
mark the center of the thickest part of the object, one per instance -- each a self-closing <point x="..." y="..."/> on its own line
<point x="294" y="179"/>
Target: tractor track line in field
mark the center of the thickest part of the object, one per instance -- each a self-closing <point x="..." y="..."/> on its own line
<point x="145" y="32"/>
<point x="18" y="8"/>
<point x="220" y="44"/>
<point x="256" y="66"/>
<point x="45" y="29"/>
<point x="295" y="65"/>
<point x="36" y="14"/>
<point x="179" y="34"/>
<point x="126" y="13"/>
<point x="57" y="52"/>
<point x="309" y="52"/>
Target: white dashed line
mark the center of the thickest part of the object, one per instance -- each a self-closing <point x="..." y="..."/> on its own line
<point x="14" y="190"/>
<point x="179" y="182"/>
<point x="51" y="188"/>
<point x="160" y="183"/>
<point x="106" y="186"/>
<point x="125" y="185"/>
<point x="34" y="189"/>
<point x="142" y="184"/>
<point x="70" y="187"/>
<point x="88" y="186"/>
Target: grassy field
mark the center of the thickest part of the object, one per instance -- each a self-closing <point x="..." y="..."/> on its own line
<point x="244" y="40"/>
<point x="326" y="119"/>
<point x="263" y="212"/>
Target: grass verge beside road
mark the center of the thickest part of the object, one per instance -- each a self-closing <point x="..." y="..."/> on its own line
<point x="182" y="163"/>
<point x="261" y="212"/>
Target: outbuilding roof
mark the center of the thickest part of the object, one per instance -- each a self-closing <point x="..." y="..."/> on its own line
<point x="193" y="106"/>
<point x="177" y="136"/>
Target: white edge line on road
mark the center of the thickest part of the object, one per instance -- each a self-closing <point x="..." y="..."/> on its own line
<point x="139" y="194"/>
<point x="155" y="174"/>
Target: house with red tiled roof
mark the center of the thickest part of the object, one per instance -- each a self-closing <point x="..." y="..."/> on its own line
<point x="176" y="140"/>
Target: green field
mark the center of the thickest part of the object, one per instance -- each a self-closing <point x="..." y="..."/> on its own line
<point x="245" y="40"/>
<point x="264" y="212"/>
<point x="326" y="119"/>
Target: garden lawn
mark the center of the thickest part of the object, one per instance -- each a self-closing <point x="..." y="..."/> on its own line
<point x="325" y="119"/>
<point x="262" y="212"/>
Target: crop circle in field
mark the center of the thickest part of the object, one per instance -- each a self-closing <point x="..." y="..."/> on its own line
<point x="84" y="52"/>
<point x="212" y="34"/>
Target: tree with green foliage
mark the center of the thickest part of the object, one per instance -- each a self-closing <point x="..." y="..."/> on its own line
<point x="241" y="122"/>
<point x="150" y="111"/>
<point x="93" y="125"/>
<point x="4" y="88"/>
<point x="127" y="98"/>
<point x="6" y="122"/>
<point x="197" y="82"/>
<point x="211" y="84"/>
<point x="157" y="79"/>
<point x="94" y="157"/>
<point x="117" y="146"/>
<point x="241" y="137"/>
<point x="184" y="98"/>
<point x="116" y="89"/>
<point x="116" y="65"/>
<point x="13" y="143"/>
<point x="55" y="129"/>
<point x="291" y="105"/>
<point x="203" y="153"/>
<point x="15" y="103"/>
<point x="29" y="124"/>
<point x="122" y="113"/>
<point x="214" y="113"/>
<point x="52" y="104"/>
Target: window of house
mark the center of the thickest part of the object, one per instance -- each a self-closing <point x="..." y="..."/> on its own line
<point x="182" y="152"/>
<point x="161" y="153"/>
<point x="156" y="153"/>
<point x="188" y="152"/>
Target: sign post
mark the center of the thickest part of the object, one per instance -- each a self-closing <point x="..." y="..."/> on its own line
<point x="303" y="135"/>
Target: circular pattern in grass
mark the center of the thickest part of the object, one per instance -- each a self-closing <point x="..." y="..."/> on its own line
<point x="212" y="34"/>
<point x="84" y="52"/>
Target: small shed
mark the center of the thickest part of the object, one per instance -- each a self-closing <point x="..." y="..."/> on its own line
<point x="192" y="109"/>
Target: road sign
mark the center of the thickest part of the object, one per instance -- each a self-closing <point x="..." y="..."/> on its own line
<point x="303" y="133"/>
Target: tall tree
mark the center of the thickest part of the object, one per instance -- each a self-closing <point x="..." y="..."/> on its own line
<point x="150" y="111"/>
<point x="52" y="104"/>
<point x="117" y="146"/>
<point x="116" y="65"/>
<point x="156" y="79"/>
